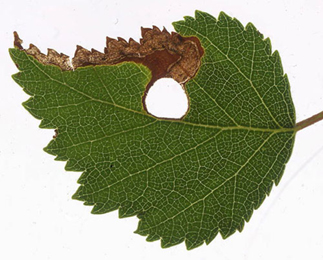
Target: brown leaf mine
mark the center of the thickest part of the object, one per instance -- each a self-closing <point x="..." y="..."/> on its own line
<point x="165" y="54"/>
<point x="52" y="57"/>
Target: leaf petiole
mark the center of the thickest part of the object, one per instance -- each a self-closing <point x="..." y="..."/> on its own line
<point x="309" y="121"/>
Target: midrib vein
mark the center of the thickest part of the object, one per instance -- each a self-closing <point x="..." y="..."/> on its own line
<point x="238" y="127"/>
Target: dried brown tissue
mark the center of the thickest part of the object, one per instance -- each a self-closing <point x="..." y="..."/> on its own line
<point x="166" y="54"/>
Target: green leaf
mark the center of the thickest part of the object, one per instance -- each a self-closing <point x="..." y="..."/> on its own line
<point x="188" y="179"/>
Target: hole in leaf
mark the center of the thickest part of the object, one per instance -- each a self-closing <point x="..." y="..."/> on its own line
<point x="167" y="99"/>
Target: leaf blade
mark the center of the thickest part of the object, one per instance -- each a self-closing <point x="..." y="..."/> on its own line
<point x="186" y="180"/>
<point x="217" y="44"/>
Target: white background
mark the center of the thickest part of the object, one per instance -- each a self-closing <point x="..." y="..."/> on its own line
<point x="38" y="218"/>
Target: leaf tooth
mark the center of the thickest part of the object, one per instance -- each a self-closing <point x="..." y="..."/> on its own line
<point x="269" y="188"/>
<point x="80" y="52"/>
<point x="213" y="234"/>
<point x="200" y="15"/>
<point x="224" y="16"/>
<point x="177" y="25"/>
<point x="278" y="61"/>
<point x="81" y="56"/>
<point x="238" y="23"/>
<point x="228" y="226"/>
<point x="155" y="28"/>
<point x="59" y="157"/>
<point x="268" y="49"/>
<point x="278" y="178"/>
<point x="250" y="27"/>
<point x="250" y="212"/>
<point x="30" y="109"/>
<point x="72" y="165"/>
<point x="228" y="233"/>
<point x="52" y="53"/>
<point x="86" y="203"/>
<point x="125" y="212"/>
<point x="165" y="31"/>
<point x="28" y="103"/>
<point x="47" y="124"/>
<point x="173" y="34"/>
<point x="49" y="150"/>
<point x="141" y="229"/>
<point x="17" y="41"/>
<point x="108" y="39"/>
<point x="95" y="51"/>
<point x="167" y="242"/>
<point x="101" y="208"/>
<point x="261" y="198"/>
<point x="241" y="225"/>
<point x="123" y="41"/>
<point x="188" y="19"/>
<point x="144" y="31"/>
<point x="97" y="208"/>
<point x="133" y="43"/>
<point x="33" y="50"/>
<point x="192" y="242"/>
<point x="78" y="194"/>
<point x="152" y="238"/>
<point x="80" y="49"/>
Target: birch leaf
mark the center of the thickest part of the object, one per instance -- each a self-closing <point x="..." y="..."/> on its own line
<point x="187" y="179"/>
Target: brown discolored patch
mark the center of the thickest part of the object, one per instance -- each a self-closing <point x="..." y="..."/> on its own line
<point x="165" y="54"/>
<point x="56" y="133"/>
<point x="52" y="58"/>
<point x="17" y="41"/>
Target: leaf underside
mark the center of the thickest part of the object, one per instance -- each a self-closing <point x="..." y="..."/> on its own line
<point x="189" y="179"/>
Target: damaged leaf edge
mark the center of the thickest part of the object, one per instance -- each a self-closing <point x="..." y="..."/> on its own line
<point x="166" y="55"/>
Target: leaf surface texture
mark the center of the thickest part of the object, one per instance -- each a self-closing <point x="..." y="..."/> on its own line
<point x="189" y="179"/>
